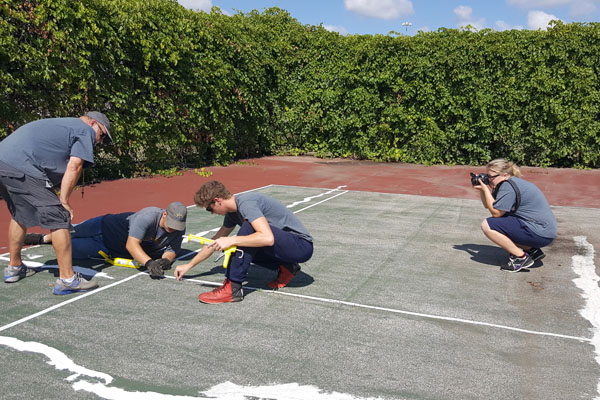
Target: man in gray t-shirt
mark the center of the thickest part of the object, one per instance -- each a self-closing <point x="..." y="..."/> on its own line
<point x="151" y="236"/>
<point x="269" y="235"/>
<point x="34" y="159"/>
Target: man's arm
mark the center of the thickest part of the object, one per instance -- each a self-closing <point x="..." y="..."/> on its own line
<point x="262" y="237"/>
<point x="134" y="247"/>
<point x="169" y="255"/>
<point x="69" y="180"/>
<point x="202" y="255"/>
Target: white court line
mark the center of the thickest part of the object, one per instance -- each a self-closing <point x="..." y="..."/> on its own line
<point x="396" y="311"/>
<point x="307" y="199"/>
<point x="64" y="303"/>
<point x="322" y="201"/>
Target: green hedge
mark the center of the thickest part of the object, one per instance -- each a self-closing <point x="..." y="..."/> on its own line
<point x="186" y="88"/>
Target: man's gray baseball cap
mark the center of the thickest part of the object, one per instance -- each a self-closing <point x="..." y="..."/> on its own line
<point x="103" y="119"/>
<point x="176" y="216"/>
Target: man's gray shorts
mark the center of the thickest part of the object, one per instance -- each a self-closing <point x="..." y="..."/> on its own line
<point x="30" y="202"/>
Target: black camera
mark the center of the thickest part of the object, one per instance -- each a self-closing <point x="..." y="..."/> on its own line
<point x="485" y="179"/>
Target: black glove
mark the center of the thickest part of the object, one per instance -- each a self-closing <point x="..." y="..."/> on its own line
<point x="156" y="267"/>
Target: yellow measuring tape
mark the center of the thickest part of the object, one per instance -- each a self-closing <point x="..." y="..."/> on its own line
<point x="227" y="252"/>
<point x="121" y="262"/>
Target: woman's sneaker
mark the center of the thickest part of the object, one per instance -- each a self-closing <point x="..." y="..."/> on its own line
<point x="515" y="264"/>
<point x="79" y="284"/>
<point x="15" y="274"/>
<point x="535" y="253"/>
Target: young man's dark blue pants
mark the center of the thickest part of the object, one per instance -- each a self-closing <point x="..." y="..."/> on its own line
<point x="289" y="248"/>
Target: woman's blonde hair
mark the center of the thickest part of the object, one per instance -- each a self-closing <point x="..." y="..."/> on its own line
<point x="502" y="166"/>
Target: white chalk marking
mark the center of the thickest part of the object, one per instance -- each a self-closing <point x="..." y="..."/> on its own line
<point x="583" y="265"/>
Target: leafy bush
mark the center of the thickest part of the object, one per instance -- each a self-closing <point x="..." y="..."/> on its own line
<point x="186" y="88"/>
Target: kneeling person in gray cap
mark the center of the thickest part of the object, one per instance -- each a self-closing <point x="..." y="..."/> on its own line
<point x="151" y="236"/>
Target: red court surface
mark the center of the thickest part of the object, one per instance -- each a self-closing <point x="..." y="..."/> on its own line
<point x="562" y="187"/>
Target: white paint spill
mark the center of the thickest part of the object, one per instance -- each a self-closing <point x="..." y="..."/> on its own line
<point x="290" y="391"/>
<point x="56" y="358"/>
<point x="583" y="265"/>
<point x="307" y="199"/>
<point x="223" y="391"/>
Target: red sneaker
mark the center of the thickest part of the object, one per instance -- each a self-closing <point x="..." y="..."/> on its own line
<point x="284" y="276"/>
<point x="229" y="292"/>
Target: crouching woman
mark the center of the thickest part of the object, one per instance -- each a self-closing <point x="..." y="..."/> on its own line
<point x="522" y="221"/>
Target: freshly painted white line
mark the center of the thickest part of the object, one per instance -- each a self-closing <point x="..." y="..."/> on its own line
<point x="583" y="265"/>
<point x="322" y="201"/>
<point x="71" y="300"/>
<point x="307" y="199"/>
<point x="397" y="311"/>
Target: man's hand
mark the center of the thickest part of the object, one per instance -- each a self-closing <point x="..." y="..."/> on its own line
<point x="157" y="267"/>
<point x="222" y="243"/>
<point x="181" y="270"/>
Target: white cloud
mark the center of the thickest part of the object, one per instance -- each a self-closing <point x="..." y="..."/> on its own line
<point x="577" y="8"/>
<point x="203" y="5"/>
<point x="339" y="29"/>
<point x="541" y="3"/>
<point x="465" y="17"/>
<point x="503" y="26"/>
<point x="583" y="8"/>
<point x="539" y="20"/>
<point x="383" y="9"/>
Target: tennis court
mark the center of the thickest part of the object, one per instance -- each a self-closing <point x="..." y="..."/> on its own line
<point x="403" y="299"/>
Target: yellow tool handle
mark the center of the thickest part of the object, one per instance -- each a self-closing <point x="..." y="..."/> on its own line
<point x="120" y="262"/>
<point x="202" y="240"/>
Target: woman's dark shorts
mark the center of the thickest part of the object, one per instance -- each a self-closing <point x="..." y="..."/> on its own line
<point x="517" y="231"/>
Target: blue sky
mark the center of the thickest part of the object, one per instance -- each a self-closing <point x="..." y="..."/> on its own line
<point x="382" y="16"/>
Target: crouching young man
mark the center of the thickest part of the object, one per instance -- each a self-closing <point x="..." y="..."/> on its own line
<point x="269" y="235"/>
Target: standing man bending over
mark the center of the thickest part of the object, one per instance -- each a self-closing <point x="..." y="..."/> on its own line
<point x="34" y="159"/>
<point x="151" y="236"/>
<point x="269" y="235"/>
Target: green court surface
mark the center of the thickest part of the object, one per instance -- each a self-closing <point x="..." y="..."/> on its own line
<point x="403" y="299"/>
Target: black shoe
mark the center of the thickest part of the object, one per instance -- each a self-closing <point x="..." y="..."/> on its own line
<point x="535" y="253"/>
<point x="34" y="238"/>
<point x="515" y="264"/>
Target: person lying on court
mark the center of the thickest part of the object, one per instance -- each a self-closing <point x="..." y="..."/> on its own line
<point x="151" y="236"/>
<point x="522" y="221"/>
<point x="270" y="235"/>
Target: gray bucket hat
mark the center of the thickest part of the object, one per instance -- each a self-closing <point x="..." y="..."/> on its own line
<point x="103" y="119"/>
<point x="176" y="216"/>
